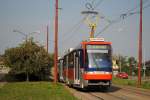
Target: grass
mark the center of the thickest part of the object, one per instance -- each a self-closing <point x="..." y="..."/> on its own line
<point x="128" y="82"/>
<point x="34" y="91"/>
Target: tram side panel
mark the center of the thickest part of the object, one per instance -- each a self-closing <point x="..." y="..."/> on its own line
<point x="65" y="68"/>
<point x="77" y="67"/>
<point x="89" y="66"/>
<point x="60" y="70"/>
<point x="73" y="68"/>
<point x="70" y="68"/>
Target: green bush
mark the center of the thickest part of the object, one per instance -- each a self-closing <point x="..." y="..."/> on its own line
<point x="145" y="84"/>
<point x="34" y="91"/>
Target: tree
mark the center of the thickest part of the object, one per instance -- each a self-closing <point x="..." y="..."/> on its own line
<point x="121" y="62"/>
<point x="132" y="64"/>
<point x="128" y="64"/>
<point x="28" y="58"/>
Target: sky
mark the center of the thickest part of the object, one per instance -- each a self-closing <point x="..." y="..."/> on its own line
<point x="28" y="16"/>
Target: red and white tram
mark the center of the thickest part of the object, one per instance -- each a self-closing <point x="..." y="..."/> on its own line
<point x="90" y="64"/>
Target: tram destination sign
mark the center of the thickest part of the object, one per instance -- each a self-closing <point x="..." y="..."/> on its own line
<point x="97" y="47"/>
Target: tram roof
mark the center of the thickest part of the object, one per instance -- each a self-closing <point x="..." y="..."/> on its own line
<point x="95" y="42"/>
<point x="79" y="46"/>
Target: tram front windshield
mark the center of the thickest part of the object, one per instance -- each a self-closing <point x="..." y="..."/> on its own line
<point x="99" y="58"/>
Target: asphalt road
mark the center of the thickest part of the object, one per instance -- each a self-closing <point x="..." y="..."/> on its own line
<point x="114" y="93"/>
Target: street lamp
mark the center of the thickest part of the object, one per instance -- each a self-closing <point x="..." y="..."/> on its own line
<point x="24" y="34"/>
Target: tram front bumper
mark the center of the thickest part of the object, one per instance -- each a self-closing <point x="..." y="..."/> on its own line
<point x="97" y="76"/>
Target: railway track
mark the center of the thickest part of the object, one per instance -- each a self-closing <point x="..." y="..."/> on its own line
<point x="136" y="90"/>
<point x="115" y="93"/>
<point x="98" y="97"/>
<point x="123" y="93"/>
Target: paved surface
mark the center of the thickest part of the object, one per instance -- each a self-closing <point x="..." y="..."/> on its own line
<point x="115" y="93"/>
<point x="3" y="72"/>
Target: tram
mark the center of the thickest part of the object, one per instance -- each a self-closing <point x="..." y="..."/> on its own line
<point x="89" y="64"/>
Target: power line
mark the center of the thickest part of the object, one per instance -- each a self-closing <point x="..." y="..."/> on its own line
<point x="98" y="4"/>
<point x="137" y="6"/>
<point x="102" y="15"/>
<point x="129" y="13"/>
<point x="131" y="10"/>
<point x="122" y="17"/>
<point x="77" y="25"/>
<point x="73" y="29"/>
<point x="137" y="12"/>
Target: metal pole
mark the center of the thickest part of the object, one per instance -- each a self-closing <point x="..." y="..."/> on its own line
<point x="120" y="66"/>
<point x="140" y="45"/>
<point x="144" y="67"/>
<point x="92" y="32"/>
<point x="120" y="63"/>
<point x="56" y="41"/>
<point x="131" y="67"/>
<point x="47" y="39"/>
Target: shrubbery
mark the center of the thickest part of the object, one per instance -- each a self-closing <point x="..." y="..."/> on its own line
<point x="28" y="61"/>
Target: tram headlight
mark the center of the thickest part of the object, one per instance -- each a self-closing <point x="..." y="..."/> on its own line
<point x="108" y="72"/>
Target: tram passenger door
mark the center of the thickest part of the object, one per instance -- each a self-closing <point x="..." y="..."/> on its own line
<point x="76" y="67"/>
<point x="67" y="69"/>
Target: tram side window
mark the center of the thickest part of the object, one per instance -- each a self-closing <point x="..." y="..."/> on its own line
<point x="61" y="63"/>
<point x="86" y="59"/>
<point x="109" y="52"/>
<point x="64" y="63"/>
<point x="70" y="60"/>
<point x="80" y="53"/>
